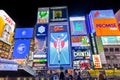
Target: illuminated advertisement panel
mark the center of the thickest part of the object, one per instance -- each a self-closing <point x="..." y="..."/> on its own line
<point x="21" y="49"/>
<point x="106" y="27"/>
<point x="41" y="30"/>
<point x="7" y="26"/>
<point x="81" y="53"/>
<point x="59" y="46"/>
<point x="40" y="48"/>
<point x="110" y="40"/>
<point x="58" y="14"/>
<point x="81" y="64"/>
<point x="23" y="33"/>
<point x="80" y="41"/>
<point x="117" y="16"/>
<point x="102" y="13"/>
<point x="78" y="26"/>
<point x="97" y="61"/>
<point x="43" y="15"/>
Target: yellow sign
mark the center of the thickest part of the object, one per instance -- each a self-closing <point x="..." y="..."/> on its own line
<point x="2" y="24"/>
<point x="109" y="73"/>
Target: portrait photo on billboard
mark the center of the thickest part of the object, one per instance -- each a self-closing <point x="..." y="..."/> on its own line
<point x="21" y="49"/>
<point x="24" y="33"/>
<point x="40" y="48"/>
<point x="58" y="14"/>
<point x="41" y="30"/>
<point x="78" y="26"/>
<point x="43" y="15"/>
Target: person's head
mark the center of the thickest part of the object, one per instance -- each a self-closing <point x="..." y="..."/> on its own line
<point x="66" y="71"/>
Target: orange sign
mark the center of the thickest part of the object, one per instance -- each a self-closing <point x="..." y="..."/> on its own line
<point x="97" y="61"/>
<point x="106" y="27"/>
<point x="56" y="29"/>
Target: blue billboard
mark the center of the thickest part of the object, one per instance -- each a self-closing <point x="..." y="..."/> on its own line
<point x="21" y="49"/>
<point x="58" y="14"/>
<point x="23" y="33"/>
<point x="41" y="30"/>
<point x="59" y="52"/>
<point x="78" y="26"/>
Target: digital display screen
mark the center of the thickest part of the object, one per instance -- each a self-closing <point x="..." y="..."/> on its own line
<point x="43" y="15"/>
<point x="78" y="26"/>
<point x="21" y="49"/>
<point x="58" y="14"/>
<point x="59" y="46"/>
<point x="23" y="33"/>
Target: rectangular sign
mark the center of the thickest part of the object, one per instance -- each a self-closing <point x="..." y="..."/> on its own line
<point x="106" y="27"/>
<point x="97" y="61"/>
<point x="110" y="40"/>
<point x="59" y="48"/>
<point x="80" y="41"/>
<point x="43" y="15"/>
<point x="79" y="54"/>
<point x="7" y="26"/>
<point x="40" y="48"/>
<point x="102" y="13"/>
<point x="21" y="49"/>
<point x="78" y="26"/>
<point x="58" y="14"/>
<point x="41" y="30"/>
<point x="24" y="33"/>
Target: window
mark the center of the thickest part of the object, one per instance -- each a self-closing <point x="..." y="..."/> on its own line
<point x="105" y="49"/>
<point x="111" y="49"/>
<point x="116" y="49"/>
<point x="107" y="57"/>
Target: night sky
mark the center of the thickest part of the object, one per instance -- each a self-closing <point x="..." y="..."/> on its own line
<point x="24" y="12"/>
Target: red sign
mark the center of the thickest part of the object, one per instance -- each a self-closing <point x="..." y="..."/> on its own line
<point x="97" y="61"/>
<point x="56" y="29"/>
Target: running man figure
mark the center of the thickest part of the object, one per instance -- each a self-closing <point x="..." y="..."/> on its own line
<point x="59" y="44"/>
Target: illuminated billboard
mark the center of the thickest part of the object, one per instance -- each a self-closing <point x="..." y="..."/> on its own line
<point x="78" y="26"/>
<point x="97" y="61"/>
<point x="80" y="41"/>
<point x="21" y="49"/>
<point x="43" y="15"/>
<point x="23" y="33"/>
<point x="7" y="26"/>
<point x="81" y="64"/>
<point x="40" y="48"/>
<point x="81" y="53"/>
<point x="59" y="46"/>
<point x="41" y="30"/>
<point x="110" y="40"/>
<point x="102" y="13"/>
<point x="58" y="14"/>
<point x="106" y="27"/>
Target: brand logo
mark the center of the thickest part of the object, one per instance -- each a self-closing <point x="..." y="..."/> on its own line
<point x="21" y="48"/>
<point x="106" y="25"/>
<point x="41" y="29"/>
<point x="56" y="29"/>
<point x="23" y="33"/>
<point x="8" y="20"/>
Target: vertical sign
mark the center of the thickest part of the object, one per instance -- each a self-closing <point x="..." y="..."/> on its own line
<point x="43" y="15"/>
<point x="97" y="61"/>
<point x="59" y="46"/>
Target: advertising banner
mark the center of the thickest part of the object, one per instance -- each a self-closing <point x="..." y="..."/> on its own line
<point x="100" y="50"/>
<point x="59" y="46"/>
<point x="43" y="15"/>
<point x="21" y="49"/>
<point x="81" y="53"/>
<point x="58" y="14"/>
<point x="23" y="33"/>
<point x="80" y="41"/>
<point x="7" y="26"/>
<point x="97" y="61"/>
<point x="110" y="40"/>
<point x="78" y="26"/>
<point x="41" y="30"/>
<point x="102" y="13"/>
<point x="40" y="48"/>
<point x="106" y="27"/>
<point x="81" y="64"/>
